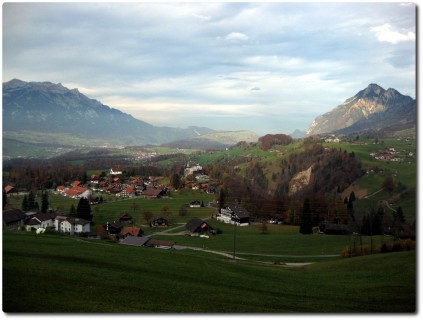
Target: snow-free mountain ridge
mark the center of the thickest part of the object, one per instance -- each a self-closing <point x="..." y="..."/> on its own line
<point x="373" y="108"/>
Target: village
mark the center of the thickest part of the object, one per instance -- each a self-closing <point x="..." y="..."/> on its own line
<point x="123" y="228"/>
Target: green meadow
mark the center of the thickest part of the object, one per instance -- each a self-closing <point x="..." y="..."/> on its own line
<point x="49" y="273"/>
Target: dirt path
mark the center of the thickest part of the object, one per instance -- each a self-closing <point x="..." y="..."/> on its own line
<point x="282" y="264"/>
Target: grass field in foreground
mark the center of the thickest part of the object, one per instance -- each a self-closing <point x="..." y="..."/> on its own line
<point x="54" y="273"/>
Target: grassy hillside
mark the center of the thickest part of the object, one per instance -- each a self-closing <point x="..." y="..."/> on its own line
<point x="52" y="273"/>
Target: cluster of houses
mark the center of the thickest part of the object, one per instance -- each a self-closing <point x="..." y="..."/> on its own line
<point x="114" y="184"/>
<point x="16" y="219"/>
<point x="390" y="154"/>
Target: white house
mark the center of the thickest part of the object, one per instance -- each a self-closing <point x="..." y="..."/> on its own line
<point x="71" y="224"/>
<point x="191" y="170"/>
<point x="40" y="220"/>
<point x="234" y="215"/>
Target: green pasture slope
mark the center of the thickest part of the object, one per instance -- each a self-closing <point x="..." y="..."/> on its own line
<point x="54" y="273"/>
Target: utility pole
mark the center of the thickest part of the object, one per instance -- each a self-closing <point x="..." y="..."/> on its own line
<point x="234" y="238"/>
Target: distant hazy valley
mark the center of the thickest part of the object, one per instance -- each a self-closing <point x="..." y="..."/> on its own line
<point x="42" y="119"/>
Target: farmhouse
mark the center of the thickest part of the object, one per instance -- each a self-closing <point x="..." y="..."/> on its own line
<point x="13" y="219"/>
<point x="151" y="192"/>
<point x="196" y="226"/>
<point x="234" y="214"/>
<point x="131" y="231"/>
<point x="125" y="217"/>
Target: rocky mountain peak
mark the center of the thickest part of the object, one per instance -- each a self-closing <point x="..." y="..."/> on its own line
<point x="370" y="104"/>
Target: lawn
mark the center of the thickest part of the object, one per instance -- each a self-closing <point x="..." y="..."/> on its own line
<point x="53" y="273"/>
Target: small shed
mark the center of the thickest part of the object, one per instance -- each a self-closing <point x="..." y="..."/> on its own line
<point x="163" y="244"/>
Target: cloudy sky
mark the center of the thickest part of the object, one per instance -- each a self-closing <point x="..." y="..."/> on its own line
<point x="267" y="67"/>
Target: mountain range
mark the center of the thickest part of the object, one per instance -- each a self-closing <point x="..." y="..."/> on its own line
<point x="46" y="117"/>
<point x="372" y="109"/>
<point x="53" y="109"/>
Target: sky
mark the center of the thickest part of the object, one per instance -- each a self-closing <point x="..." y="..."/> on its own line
<point x="269" y="67"/>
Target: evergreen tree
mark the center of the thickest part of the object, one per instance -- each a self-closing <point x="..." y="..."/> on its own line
<point x="44" y="202"/>
<point x="175" y="181"/>
<point x="25" y="204"/>
<point x="72" y="211"/>
<point x="352" y="196"/>
<point x="83" y="210"/>
<point x="306" y="226"/>
<point x="222" y="198"/>
<point x="31" y="201"/>
<point x="350" y="209"/>
<point x="399" y="215"/>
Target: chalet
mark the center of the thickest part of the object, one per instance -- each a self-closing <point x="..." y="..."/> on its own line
<point x="41" y="220"/>
<point x="71" y="224"/>
<point x="115" y="171"/>
<point x="159" y="222"/>
<point x="196" y="226"/>
<point x="195" y="204"/>
<point x="125" y="217"/>
<point x="113" y="227"/>
<point x="131" y="231"/>
<point x="234" y="214"/>
<point x="13" y="219"/>
<point x="151" y="192"/>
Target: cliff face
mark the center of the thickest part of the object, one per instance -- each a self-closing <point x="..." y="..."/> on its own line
<point x="299" y="181"/>
<point x="365" y="110"/>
